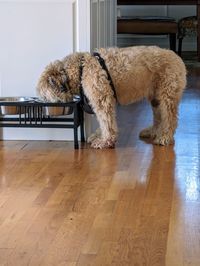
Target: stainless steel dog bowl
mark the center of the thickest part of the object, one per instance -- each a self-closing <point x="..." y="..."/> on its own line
<point x="53" y="110"/>
<point x="12" y="110"/>
<point x="57" y="111"/>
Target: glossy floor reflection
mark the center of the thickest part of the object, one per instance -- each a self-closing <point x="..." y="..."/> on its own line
<point x="137" y="204"/>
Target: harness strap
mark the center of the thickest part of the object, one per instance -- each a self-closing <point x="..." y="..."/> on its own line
<point x="103" y="65"/>
<point x="84" y="100"/>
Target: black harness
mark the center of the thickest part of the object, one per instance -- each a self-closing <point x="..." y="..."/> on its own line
<point x="85" y="102"/>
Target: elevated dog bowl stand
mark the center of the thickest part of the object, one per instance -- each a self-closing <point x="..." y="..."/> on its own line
<point x="31" y="114"/>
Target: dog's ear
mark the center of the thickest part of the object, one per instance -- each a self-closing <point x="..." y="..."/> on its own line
<point x="51" y="81"/>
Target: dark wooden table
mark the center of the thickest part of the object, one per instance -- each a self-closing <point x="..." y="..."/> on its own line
<point x="169" y="2"/>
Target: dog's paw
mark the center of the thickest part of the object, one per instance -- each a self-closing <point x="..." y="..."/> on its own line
<point x="99" y="143"/>
<point x="94" y="136"/>
<point x="147" y="133"/>
<point x="91" y="138"/>
<point x="163" y="140"/>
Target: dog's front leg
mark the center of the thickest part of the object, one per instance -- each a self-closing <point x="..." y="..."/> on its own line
<point x="101" y="97"/>
<point x="93" y="136"/>
<point x="107" y="138"/>
<point x="104" y="108"/>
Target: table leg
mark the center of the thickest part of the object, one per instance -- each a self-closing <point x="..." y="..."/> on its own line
<point x="76" y="145"/>
<point x="82" y="125"/>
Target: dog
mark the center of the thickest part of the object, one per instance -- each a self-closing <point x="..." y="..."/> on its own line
<point x="138" y="72"/>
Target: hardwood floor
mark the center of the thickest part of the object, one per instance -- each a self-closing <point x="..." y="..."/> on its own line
<point x="135" y="205"/>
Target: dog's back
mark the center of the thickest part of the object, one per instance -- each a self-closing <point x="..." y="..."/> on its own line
<point x="135" y="70"/>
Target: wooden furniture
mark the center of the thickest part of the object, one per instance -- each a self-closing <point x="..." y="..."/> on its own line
<point x="147" y="25"/>
<point x="187" y="26"/>
<point x="169" y="2"/>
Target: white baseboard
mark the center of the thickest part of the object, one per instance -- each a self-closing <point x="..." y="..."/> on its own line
<point x="36" y="134"/>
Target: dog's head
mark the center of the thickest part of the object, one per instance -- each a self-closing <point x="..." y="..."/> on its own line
<point x="53" y="85"/>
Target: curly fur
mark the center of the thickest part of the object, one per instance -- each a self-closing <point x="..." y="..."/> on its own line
<point x="150" y="72"/>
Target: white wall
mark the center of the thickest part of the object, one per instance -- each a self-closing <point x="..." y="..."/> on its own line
<point x="172" y="11"/>
<point x="33" y="33"/>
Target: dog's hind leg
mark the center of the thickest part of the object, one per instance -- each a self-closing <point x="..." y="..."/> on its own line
<point x="150" y="132"/>
<point x="164" y="122"/>
<point x="166" y="97"/>
<point x="164" y="132"/>
<point x="169" y="92"/>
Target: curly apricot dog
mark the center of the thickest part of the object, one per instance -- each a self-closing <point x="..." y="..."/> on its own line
<point x="136" y="72"/>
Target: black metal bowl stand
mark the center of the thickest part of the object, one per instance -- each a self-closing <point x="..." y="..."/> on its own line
<point x="30" y="114"/>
